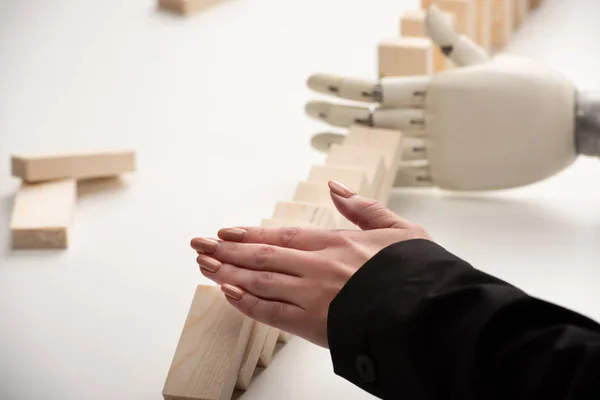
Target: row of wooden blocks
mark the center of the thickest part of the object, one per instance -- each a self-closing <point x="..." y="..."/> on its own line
<point x="43" y="205"/>
<point x="219" y="348"/>
<point x="490" y="23"/>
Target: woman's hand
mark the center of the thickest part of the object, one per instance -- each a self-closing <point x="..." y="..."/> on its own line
<point x="287" y="277"/>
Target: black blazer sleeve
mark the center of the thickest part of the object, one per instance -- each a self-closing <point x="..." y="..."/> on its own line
<point x="416" y="322"/>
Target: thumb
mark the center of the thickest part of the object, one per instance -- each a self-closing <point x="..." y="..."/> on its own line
<point x="365" y="213"/>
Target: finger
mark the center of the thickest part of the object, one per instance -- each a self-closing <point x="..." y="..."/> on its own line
<point x="406" y="119"/>
<point x="365" y="213"/>
<point x="406" y="91"/>
<point x="293" y="237"/>
<point x="411" y="175"/>
<point x="458" y="48"/>
<point x="260" y="257"/>
<point x="324" y="140"/>
<point x="264" y="284"/>
<point x="273" y="313"/>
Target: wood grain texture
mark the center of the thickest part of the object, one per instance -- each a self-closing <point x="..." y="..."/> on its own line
<point x="89" y="165"/>
<point x="42" y="214"/>
<point x="311" y="192"/>
<point x="405" y="56"/>
<point x="371" y="160"/>
<point x="389" y="142"/>
<point x="186" y="7"/>
<point x="209" y="354"/>
<point x="251" y="355"/>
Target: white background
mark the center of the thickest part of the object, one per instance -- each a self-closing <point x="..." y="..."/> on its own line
<point x="213" y="106"/>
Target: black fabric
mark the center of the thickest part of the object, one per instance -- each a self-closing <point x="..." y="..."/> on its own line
<point x="417" y="322"/>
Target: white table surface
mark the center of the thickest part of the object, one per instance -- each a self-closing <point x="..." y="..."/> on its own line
<point x="213" y="105"/>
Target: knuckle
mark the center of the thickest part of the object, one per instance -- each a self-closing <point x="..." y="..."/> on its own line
<point x="371" y="205"/>
<point x="263" y="281"/>
<point x="287" y="235"/>
<point x="252" y="307"/>
<point x="225" y="250"/>
<point x="264" y="255"/>
<point x="276" y="310"/>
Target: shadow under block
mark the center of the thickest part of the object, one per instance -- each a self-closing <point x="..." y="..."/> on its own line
<point x="186" y="7"/>
<point x="73" y="165"/>
<point x="251" y="355"/>
<point x="502" y="22"/>
<point x="267" y="352"/>
<point x="42" y="214"/>
<point x="315" y="214"/>
<point x="389" y="142"/>
<point x="371" y="160"/>
<point x="412" y="24"/>
<point x="284" y="337"/>
<point x="209" y="354"/>
<point x="405" y="56"/>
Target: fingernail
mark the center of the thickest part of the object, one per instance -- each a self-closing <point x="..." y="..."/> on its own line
<point x="232" y="234"/>
<point x="232" y="291"/>
<point x="208" y="263"/>
<point x="340" y="189"/>
<point x="204" y="245"/>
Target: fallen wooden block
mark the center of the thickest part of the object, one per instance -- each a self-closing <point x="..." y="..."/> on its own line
<point x="251" y="355"/>
<point x="412" y="24"/>
<point x="185" y="7"/>
<point x="284" y="337"/>
<point x="502" y="22"/>
<point x="74" y="165"/>
<point x="354" y="177"/>
<point x="303" y="212"/>
<point x="371" y="160"/>
<point x="311" y="192"/>
<point x="269" y="348"/>
<point x="389" y="142"/>
<point x="464" y="12"/>
<point x="209" y="354"/>
<point x="405" y="56"/>
<point x="42" y="214"/>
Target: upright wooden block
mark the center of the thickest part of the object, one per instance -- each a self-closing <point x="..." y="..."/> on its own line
<point x="42" y="214"/>
<point x="185" y="7"/>
<point x="412" y="24"/>
<point x="371" y="160"/>
<point x="209" y="354"/>
<point x="313" y="213"/>
<point x="483" y="23"/>
<point x="355" y="177"/>
<point x="405" y="57"/>
<point x="521" y="9"/>
<point x="464" y="12"/>
<point x="389" y="142"/>
<point x="502" y="22"/>
<point x="73" y="165"/>
<point x="251" y="355"/>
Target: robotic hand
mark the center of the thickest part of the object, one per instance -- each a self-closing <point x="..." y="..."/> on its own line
<point x="490" y="123"/>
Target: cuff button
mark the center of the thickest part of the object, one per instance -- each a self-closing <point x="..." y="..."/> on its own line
<point x="366" y="368"/>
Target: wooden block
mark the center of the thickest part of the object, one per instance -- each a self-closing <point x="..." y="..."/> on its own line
<point x="355" y="177"/>
<point x="185" y="7"/>
<point x="483" y="23"/>
<point x="311" y="192"/>
<point x="267" y="352"/>
<point x="284" y="337"/>
<point x="502" y="22"/>
<point x="405" y="57"/>
<point x="74" y="166"/>
<point x="312" y="213"/>
<point x="521" y="9"/>
<point x="278" y="222"/>
<point x="209" y="354"/>
<point x="464" y="15"/>
<point x="42" y="214"/>
<point x="251" y="355"/>
<point x="389" y="142"/>
<point x="412" y="24"/>
<point x="535" y="3"/>
<point x="426" y="3"/>
<point x="371" y="160"/>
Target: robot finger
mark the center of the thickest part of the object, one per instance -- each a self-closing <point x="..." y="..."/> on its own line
<point x="458" y="48"/>
<point x="324" y="140"/>
<point x="396" y="91"/>
<point x="408" y="120"/>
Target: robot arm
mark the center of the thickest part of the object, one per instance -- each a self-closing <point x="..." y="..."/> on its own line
<point x="492" y="123"/>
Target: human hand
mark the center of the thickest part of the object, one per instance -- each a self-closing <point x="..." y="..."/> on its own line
<point x="287" y="277"/>
<point x="491" y="123"/>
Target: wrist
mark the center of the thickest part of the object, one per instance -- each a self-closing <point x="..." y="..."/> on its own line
<point x="587" y="124"/>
